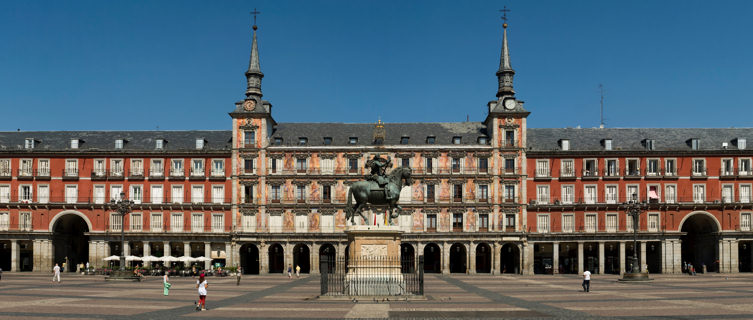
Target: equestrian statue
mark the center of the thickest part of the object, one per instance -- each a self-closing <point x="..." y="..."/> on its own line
<point x="379" y="188"/>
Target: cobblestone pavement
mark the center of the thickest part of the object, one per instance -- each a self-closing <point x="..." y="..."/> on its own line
<point x="33" y="296"/>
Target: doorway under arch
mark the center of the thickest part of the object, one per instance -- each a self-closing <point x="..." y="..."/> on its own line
<point x="70" y="242"/>
<point x="509" y="259"/>
<point x="407" y="258"/>
<point x="699" y="241"/>
<point x="327" y="252"/>
<point x="432" y="258"/>
<point x="302" y="258"/>
<point x="249" y="258"/>
<point x="458" y="258"/>
<point x="483" y="258"/>
<point x="276" y="258"/>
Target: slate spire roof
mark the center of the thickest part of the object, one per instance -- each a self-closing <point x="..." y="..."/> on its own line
<point x="254" y="74"/>
<point x="505" y="72"/>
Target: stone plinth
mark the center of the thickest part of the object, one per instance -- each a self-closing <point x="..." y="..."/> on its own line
<point x="374" y="267"/>
<point x="634" y="277"/>
<point x="124" y="275"/>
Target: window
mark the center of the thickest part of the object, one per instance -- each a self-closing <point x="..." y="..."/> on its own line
<point x="4" y="221"/>
<point x="218" y="194"/>
<point x="653" y="222"/>
<point x="119" y="144"/>
<point x="137" y="194"/>
<point x="611" y="222"/>
<point x="24" y="194"/>
<point x="71" y="168"/>
<point x="633" y="168"/>
<point x="455" y="164"/>
<point x="405" y="162"/>
<point x="509" y="138"/>
<point x="159" y="144"/>
<point x="568" y="223"/>
<point x="429" y="165"/>
<point x="542" y="168"/>
<point x="217" y="222"/>
<point x="116" y="167"/>
<point x="29" y="143"/>
<point x="510" y="165"/>
<point x="568" y="194"/>
<point x="199" y="143"/>
<point x="156" y="194"/>
<point x="631" y="190"/>
<point x="743" y="169"/>
<point x="25" y="170"/>
<point x="727" y="192"/>
<point x="567" y="168"/>
<point x="302" y="141"/>
<point x="137" y="167"/>
<point x="353" y="165"/>
<point x="404" y="140"/>
<point x="611" y="168"/>
<point x="590" y="194"/>
<point x="652" y="167"/>
<point x="218" y="167"/>
<point x="248" y="194"/>
<point x="628" y="223"/>
<point x="197" y="167"/>
<point x="590" y="222"/>
<point x="197" y="222"/>
<point x="509" y="193"/>
<point x="273" y="165"/>
<point x="699" y="167"/>
<point x="745" y="195"/>
<point x="483" y="165"/>
<point x="300" y="165"/>
<point x="352" y="140"/>
<point x="699" y="193"/>
<point x="610" y="194"/>
<point x="248" y="222"/>
<point x="431" y="222"/>
<point x="483" y="193"/>
<point x="300" y="194"/>
<point x="278" y="141"/>
<point x="5" y="168"/>
<point x="695" y="144"/>
<point x="431" y="140"/>
<point x="741" y="143"/>
<point x="74" y="143"/>
<point x="607" y="144"/>
<point x="99" y="167"/>
<point x="565" y="144"/>
<point x="115" y="191"/>
<point x="248" y="165"/>
<point x="670" y="168"/>
<point x="156" y="221"/>
<point x="275" y="194"/>
<point x="745" y="221"/>
<point x="649" y="144"/>
<point x="457" y="192"/>
<point x="176" y="194"/>
<point x="135" y="221"/>
<point x="590" y="169"/>
<point x="670" y="194"/>
<point x="249" y="138"/>
<point x="326" y="194"/>
<point x="510" y="222"/>
<point x="156" y="169"/>
<point x="71" y="194"/>
<point x="24" y="221"/>
<point x="176" y="222"/>
<point x="43" y="193"/>
<point x="483" y="222"/>
<point x="197" y="194"/>
<point x="116" y="221"/>
<point x="4" y="194"/>
<point x="457" y="222"/>
<point x="728" y="168"/>
<point x="482" y="140"/>
<point x="99" y="194"/>
<point x="430" y="196"/>
<point x="653" y="193"/>
<point x="327" y="141"/>
<point x="542" y="194"/>
<point x="455" y="140"/>
<point x="542" y="223"/>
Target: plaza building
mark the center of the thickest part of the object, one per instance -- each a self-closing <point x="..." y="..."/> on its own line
<point x="485" y="197"/>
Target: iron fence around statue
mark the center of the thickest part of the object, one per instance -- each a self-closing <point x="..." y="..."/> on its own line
<point x="372" y="276"/>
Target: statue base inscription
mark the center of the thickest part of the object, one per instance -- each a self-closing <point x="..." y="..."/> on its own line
<point x="374" y="267"/>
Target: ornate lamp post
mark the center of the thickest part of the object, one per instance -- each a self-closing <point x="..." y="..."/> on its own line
<point x="123" y="207"/>
<point x="634" y="208"/>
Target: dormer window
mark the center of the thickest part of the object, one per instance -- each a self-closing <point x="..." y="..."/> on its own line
<point x="695" y="144"/>
<point x="649" y="144"/>
<point x="482" y="140"/>
<point x="353" y="140"/>
<point x="565" y="144"/>
<point x="455" y="140"/>
<point x="29" y="143"/>
<point x="741" y="143"/>
<point x="404" y="140"/>
<point x="199" y="143"/>
<point x="159" y="144"/>
<point x="302" y="141"/>
<point x="278" y="141"/>
<point x="119" y="144"/>
<point x="607" y="144"/>
<point x="327" y="141"/>
<point x="430" y="139"/>
<point x="74" y="143"/>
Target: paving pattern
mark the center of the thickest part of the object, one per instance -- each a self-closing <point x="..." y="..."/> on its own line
<point x="34" y="296"/>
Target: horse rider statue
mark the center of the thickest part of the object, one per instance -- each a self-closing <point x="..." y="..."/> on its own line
<point x="378" y="168"/>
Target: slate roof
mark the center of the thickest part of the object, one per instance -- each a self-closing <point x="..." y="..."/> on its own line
<point x="105" y="140"/>
<point x="416" y="132"/>
<point x="665" y="139"/>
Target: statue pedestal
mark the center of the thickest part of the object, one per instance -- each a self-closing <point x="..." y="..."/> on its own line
<point x="374" y="267"/>
<point x="635" y="277"/>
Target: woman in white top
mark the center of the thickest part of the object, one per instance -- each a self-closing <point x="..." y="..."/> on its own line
<point x="202" y="285"/>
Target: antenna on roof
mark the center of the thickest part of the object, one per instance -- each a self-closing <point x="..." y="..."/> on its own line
<point x="467" y="118"/>
<point x="601" y="102"/>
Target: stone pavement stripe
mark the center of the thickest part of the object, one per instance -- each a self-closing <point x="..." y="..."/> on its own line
<point x="369" y="311"/>
<point x="530" y="305"/>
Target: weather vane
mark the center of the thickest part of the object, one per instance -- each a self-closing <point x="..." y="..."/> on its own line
<point x="255" y="13"/>
<point x="504" y="15"/>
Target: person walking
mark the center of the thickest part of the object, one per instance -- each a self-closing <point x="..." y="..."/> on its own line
<point x="166" y="284"/>
<point x="297" y="271"/>
<point x="586" y="281"/>
<point x="1" y="273"/>
<point x="202" y="285"/>
<point x="238" y="276"/>
<point x="290" y="271"/>
<point x="56" y="273"/>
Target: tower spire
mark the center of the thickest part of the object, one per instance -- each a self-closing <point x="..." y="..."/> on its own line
<point x="254" y="74"/>
<point x="505" y="72"/>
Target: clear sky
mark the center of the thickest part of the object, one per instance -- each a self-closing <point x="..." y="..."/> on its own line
<point x="178" y="65"/>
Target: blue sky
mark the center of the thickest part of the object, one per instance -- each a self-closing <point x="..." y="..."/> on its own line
<point x="177" y="65"/>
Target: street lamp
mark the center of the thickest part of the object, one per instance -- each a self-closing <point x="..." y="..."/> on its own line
<point x="634" y="208"/>
<point x="123" y="207"/>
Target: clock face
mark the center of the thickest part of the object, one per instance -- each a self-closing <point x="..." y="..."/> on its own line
<point x="249" y="105"/>
<point x="510" y="104"/>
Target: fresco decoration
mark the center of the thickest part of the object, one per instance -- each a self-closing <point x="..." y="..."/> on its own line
<point x="444" y="190"/>
<point x="443" y="163"/>
<point x="418" y="191"/>
<point x="340" y="222"/>
<point x="470" y="223"/>
<point x="289" y="191"/>
<point x="314" y="222"/>
<point x="288" y="221"/>
<point x="418" y="163"/>
<point x="470" y="189"/>
<point x="315" y="163"/>
<point x="341" y="164"/>
<point x="418" y="220"/>
<point x="341" y="191"/>
<point x="314" y="192"/>
<point x="470" y="164"/>
<point x="444" y="221"/>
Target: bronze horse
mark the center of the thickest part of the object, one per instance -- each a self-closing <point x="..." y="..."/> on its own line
<point x="369" y="192"/>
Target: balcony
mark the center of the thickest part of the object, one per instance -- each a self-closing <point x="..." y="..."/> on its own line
<point x="25" y="174"/>
<point x="612" y="174"/>
<point x="136" y="174"/>
<point x="42" y="174"/>
<point x="632" y="174"/>
<point x="590" y="175"/>
<point x="70" y="174"/>
<point x="197" y="174"/>
<point x="247" y="171"/>
<point x="156" y="174"/>
<point x="656" y="174"/>
<point x="698" y="173"/>
<point x="509" y="144"/>
<point x="669" y="174"/>
<point x="567" y="174"/>
<point x="744" y="173"/>
<point x="98" y="174"/>
<point x="727" y="173"/>
<point x="217" y="175"/>
<point x="117" y="174"/>
<point x="509" y="171"/>
<point x="177" y="174"/>
<point x="542" y="174"/>
<point x="5" y="174"/>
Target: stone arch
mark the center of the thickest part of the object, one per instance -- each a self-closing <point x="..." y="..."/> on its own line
<point x="483" y="258"/>
<point x="432" y="258"/>
<point x="276" y="260"/>
<point x="407" y="258"/>
<point x="302" y="257"/>
<point x="65" y="212"/>
<point x="458" y="256"/>
<point x="699" y="241"/>
<point x="687" y="216"/>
